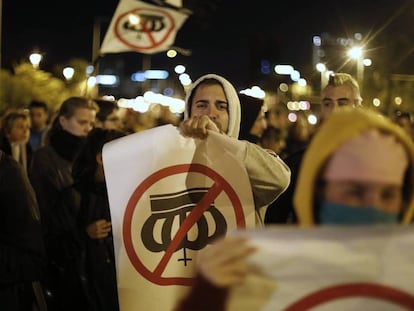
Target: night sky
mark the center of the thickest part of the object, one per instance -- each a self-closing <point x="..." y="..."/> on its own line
<point x="228" y="37"/>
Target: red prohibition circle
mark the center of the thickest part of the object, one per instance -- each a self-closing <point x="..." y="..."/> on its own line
<point x="369" y="290"/>
<point x="220" y="184"/>
<point x="155" y="43"/>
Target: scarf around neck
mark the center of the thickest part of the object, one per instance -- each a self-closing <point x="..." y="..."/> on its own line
<point x="66" y="144"/>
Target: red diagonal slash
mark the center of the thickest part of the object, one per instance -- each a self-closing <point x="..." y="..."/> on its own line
<point x="148" y="33"/>
<point x="190" y="220"/>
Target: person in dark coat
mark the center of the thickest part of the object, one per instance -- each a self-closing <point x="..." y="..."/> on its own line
<point x="253" y="121"/>
<point x="22" y="253"/>
<point x="95" y="220"/>
<point x="51" y="176"/>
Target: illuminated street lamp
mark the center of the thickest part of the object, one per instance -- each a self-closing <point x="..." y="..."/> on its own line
<point x="179" y="69"/>
<point x="68" y="73"/>
<point x="322" y="69"/>
<point x="90" y="88"/>
<point x="171" y="53"/>
<point x="284" y="69"/>
<point x="367" y="62"/>
<point x="35" y="59"/>
<point x="357" y="53"/>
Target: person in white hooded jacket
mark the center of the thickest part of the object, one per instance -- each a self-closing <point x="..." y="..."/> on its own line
<point x="212" y="104"/>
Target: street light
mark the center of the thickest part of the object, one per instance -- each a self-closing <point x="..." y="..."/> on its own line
<point x="68" y="73"/>
<point x="185" y="52"/>
<point x="322" y="69"/>
<point x="35" y="59"/>
<point x="1" y="30"/>
<point x="357" y="53"/>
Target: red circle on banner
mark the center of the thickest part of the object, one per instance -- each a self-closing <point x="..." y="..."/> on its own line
<point x="220" y="184"/>
<point x="146" y="32"/>
<point x="369" y="290"/>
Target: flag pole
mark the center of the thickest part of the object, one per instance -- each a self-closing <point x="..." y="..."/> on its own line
<point x="1" y="30"/>
<point x="96" y="38"/>
<point x="146" y="65"/>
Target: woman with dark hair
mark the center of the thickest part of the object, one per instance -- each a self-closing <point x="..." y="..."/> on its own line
<point x="95" y="220"/>
<point x="51" y="176"/>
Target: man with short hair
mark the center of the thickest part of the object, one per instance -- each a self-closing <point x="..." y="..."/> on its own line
<point x="39" y="116"/>
<point x="107" y="116"/>
<point x="342" y="90"/>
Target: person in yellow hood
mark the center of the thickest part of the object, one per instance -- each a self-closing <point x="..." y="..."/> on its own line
<point x="357" y="159"/>
<point x="358" y="169"/>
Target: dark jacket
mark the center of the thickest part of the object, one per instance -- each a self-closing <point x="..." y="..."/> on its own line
<point x="281" y="211"/>
<point x="100" y="256"/>
<point x="51" y="176"/>
<point x="250" y="109"/>
<point x="22" y="254"/>
<point x="6" y="147"/>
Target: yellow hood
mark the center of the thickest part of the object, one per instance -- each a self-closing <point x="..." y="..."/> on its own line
<point x="343" y="124"/>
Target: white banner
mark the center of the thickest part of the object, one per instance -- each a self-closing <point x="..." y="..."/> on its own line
<point x="141" y="27"/>
<point x="330" y="268"/>
<point x="169" y="197"/>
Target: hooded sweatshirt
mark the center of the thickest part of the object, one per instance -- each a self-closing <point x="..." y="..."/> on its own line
<point x="343" y="125"/>
<point x="232" y="100"/>
<point x="269" y="176"/>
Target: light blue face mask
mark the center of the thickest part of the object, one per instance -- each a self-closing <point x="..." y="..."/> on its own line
<point x="342" y="214"/>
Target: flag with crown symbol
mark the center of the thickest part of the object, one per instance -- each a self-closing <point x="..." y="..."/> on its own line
<point x="141" y="27"/>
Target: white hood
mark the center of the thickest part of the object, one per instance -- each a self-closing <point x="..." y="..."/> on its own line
<point x="232" y="99"/>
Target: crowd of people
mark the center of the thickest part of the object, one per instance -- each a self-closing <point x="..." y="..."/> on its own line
<point x="57" y="248"/>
